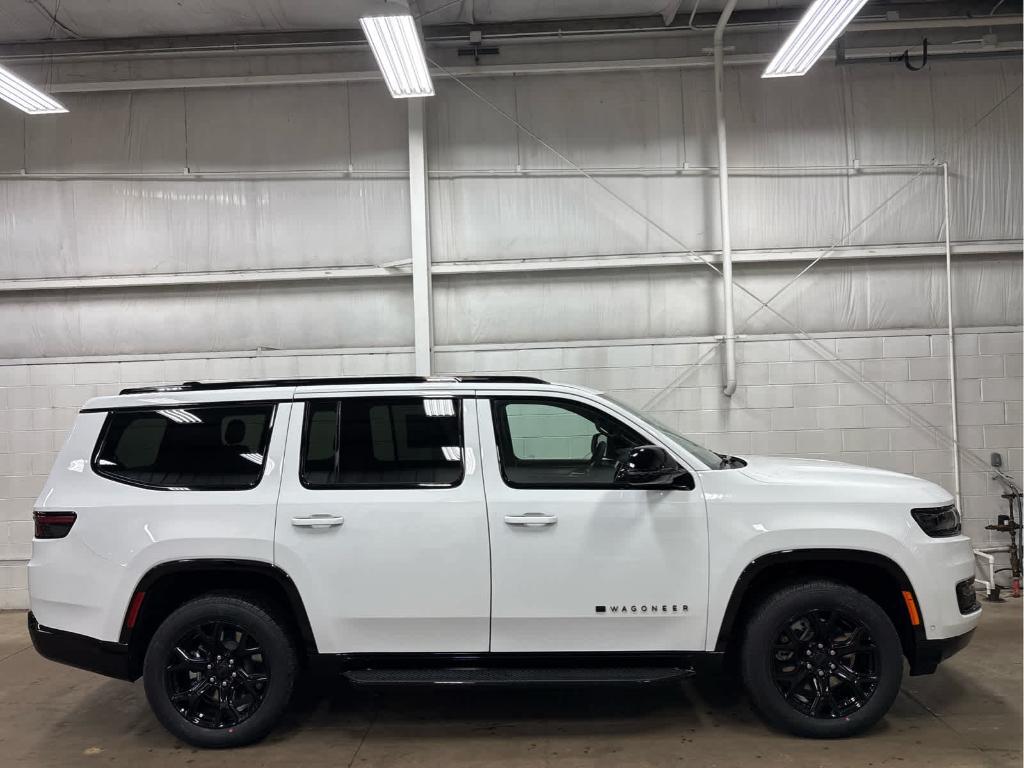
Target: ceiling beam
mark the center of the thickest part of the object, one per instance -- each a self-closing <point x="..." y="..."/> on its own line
<point x="911" y="15"/>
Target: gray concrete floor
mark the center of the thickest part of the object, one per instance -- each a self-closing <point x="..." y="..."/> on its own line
<point x="968" y="714"/>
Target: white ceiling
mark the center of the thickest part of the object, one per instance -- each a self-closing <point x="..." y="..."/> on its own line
<point x="29" y="20"/>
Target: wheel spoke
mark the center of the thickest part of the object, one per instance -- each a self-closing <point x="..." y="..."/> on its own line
<point x="181" y="659"/>
<point x="798" y="679"/>
<point x="819" y="697"/>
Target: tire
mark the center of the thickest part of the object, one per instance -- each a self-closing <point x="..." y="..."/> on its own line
<point x="840" y="694"/>
<point x="212" y="645"/>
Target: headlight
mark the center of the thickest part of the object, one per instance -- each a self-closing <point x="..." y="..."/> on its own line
<point x="938" y="521"/>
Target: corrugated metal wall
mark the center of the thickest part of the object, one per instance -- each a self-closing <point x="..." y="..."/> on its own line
<point x="653" y="121"/>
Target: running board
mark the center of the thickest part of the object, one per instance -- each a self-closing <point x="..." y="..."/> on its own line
<point x="487" y="676"/>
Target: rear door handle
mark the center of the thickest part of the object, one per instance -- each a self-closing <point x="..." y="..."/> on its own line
<point x="318" y="521"/>
<point x="531" y="519"/>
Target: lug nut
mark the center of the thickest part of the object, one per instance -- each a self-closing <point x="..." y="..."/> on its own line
<point x="831" y="666"/>
<point x="819" y="645"/>
<point x="209" y="666"/>
<point x="213" y="679"/>
<point x="820" y="673"/>
<point x="831" y="653"/>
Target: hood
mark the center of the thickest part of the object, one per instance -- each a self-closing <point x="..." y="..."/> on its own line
<point x="818" y="472"/>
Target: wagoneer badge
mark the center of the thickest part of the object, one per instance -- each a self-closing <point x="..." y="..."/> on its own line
<point x="642" y="608"/>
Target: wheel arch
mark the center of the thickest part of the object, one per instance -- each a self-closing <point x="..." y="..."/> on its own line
<point x="169" y="585"/>
<point x="876" y="575"/>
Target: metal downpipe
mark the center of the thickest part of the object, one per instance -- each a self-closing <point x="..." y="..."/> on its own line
<point x="955" y="431"/>
<point x="723" y="197"/>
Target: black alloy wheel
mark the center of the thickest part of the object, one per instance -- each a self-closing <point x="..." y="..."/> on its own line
<point x="825" y="663"/>
<point x="220" y="669"/>
<point x="216" y="676"/>
<point x="821" y="659"/>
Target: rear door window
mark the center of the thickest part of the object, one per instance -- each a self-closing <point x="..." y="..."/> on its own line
<point x="392" y="442"/>
<point x="209" y="447"/>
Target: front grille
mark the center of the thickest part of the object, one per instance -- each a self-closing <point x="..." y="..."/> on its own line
<point x="966" y="597"/>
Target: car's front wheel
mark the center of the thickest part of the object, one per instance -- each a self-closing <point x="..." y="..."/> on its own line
<point x="821" y="659"/>
<point x="219" y="671"/>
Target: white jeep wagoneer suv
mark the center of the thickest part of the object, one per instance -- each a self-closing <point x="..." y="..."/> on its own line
<point x="215" y="538"/>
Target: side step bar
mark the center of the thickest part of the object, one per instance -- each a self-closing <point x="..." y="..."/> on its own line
<point x="487" y="676"/>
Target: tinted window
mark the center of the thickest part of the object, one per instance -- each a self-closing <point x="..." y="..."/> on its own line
<point x="375" y="442"/>
<point x="559" y="443"/>
<point x="202" y="448"/>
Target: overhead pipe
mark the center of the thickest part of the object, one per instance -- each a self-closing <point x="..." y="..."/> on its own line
<point x="1002" y="49"/>
<point x="436" y="37"/>
<point x="723" y="200"/>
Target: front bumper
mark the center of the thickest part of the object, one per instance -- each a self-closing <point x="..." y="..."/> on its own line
<point x="100" y="656"/>
<point x="924" y="656"/>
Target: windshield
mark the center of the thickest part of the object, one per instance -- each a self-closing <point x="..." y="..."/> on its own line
<point x="709" y="457"/>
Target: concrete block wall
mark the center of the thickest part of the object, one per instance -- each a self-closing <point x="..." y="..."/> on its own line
<point x="791" y="400"/>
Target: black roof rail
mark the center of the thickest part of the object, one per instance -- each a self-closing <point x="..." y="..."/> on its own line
<point x="202" y="386"/>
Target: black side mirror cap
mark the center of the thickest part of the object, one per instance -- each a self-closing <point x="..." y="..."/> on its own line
<point x="649" y="466"/>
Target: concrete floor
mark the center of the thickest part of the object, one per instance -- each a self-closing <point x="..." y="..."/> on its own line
<point x="968" y="714"/>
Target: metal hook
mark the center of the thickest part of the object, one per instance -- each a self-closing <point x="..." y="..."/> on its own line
<point x="905" y="57"/>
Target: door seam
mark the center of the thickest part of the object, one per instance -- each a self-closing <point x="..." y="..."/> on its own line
<point x="487" y="517"/>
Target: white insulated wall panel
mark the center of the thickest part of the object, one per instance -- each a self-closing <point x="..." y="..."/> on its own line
<point x="479" y="219"/>
<point x="216" y="318"/>
<point x="118" y="227"/>
<point x="117" y="132"/>
<point x="667" y="302"/>
<point x="298" y="128"/>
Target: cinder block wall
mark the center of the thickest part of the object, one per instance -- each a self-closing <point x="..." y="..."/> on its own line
<point x="790" y="401"/>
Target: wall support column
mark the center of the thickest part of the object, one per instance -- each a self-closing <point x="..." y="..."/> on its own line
<point x="419" y="231"/>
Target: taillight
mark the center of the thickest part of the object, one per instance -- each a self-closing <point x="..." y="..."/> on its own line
<point x="53" y="525"/>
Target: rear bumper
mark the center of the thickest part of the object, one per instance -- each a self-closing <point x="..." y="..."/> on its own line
<point x="100" y="656"/>
<point x="926" y="655"/>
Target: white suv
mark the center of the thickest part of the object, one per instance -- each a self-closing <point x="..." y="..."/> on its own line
<point x="215" y="538"/>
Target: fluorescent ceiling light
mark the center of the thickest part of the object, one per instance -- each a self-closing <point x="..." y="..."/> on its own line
<point x="25" y="97"/>
<point x="181" y="416"/>
<point x="395" y="43"/>
<point x="824" y="22"/>
<point x="438" y="407"/>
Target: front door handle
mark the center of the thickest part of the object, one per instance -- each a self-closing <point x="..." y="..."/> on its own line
<point x="318" y="521"/>
<point x="531" y="519"/>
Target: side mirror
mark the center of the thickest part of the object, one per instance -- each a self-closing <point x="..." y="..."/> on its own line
<point x="649" y="466"/>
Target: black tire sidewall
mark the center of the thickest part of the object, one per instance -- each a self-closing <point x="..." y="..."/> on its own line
<point x="756" y="658"/>
<point x="279" y="657"/>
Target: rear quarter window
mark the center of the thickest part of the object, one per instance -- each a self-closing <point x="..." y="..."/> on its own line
<point x="216" y="448"/>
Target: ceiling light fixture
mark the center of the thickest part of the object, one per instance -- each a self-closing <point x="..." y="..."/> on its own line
<point x="823" y="22"/>
<point x="25" y="97"/>
<point x="395" y="43"/>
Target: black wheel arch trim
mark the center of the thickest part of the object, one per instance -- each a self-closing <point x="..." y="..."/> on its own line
<point x="224" y="565"/>
<point x="795" y="556"/>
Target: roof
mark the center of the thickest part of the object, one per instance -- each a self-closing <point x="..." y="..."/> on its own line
<point x="202" y="386"/>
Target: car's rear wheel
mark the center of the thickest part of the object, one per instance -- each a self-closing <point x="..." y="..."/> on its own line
<point x="219" y="671"/>
<point x="821" y="660"/>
